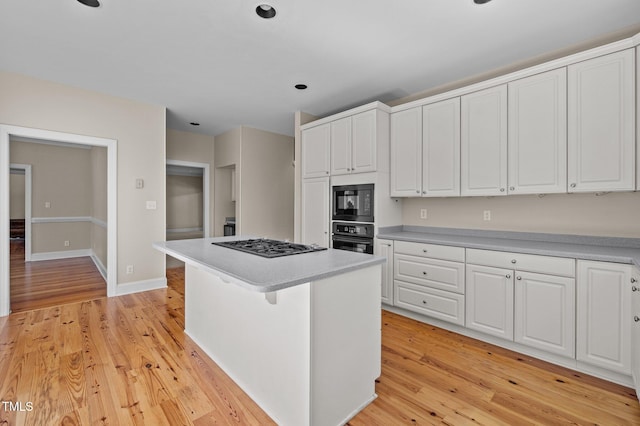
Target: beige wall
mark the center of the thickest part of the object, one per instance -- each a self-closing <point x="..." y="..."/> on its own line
<point x="227" y="161"/>
<point x="613" y="214"/>
<point x="61" y="176"/>
<point x="266" y="184"/>
<point x="139" y="129"/>
<point x="16" y="196"/>
<point x="184" y="202"/>
<point x="194" y="147"/>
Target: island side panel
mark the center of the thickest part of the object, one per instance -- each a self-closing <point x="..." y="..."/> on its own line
<point x="263" y="347"/>
<point x="345" y="344"/>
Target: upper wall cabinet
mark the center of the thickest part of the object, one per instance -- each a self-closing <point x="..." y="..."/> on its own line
<point x="484" y="142"/>
<point x="441" y="149"/>
<point x="406" y="153"/>
<point x="316" y="143"/>
<point x="538" y="134"/>
<point x="601" y="105"/>
<point x="353" y="144"/>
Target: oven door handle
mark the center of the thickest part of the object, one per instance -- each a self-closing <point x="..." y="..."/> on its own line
<point x="360" y="240"/>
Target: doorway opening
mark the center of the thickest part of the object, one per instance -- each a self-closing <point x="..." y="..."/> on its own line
<point x="7" y="133"/>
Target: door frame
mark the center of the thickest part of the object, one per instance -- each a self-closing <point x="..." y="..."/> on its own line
<point x="6" y="132"/>
<point x="27" y="206"/>
<point x="205" y="190"/>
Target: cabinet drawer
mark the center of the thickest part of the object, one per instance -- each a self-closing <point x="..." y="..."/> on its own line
<point x="433" y="273"/>
<point x="523" y="262"/>
<point x="439" y="304"/>
<point x="455" y="254"/>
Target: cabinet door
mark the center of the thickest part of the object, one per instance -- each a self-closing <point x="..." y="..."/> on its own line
<point x="341" y="146"/>
<point x="635" y="331"/>
<point x="363" y="142"/>
<point x="441" y="149"/>
<point x="544" y="312"/>
<point x="484" y="142"/>
<point x="406" y="153"/>
<point x="315" y="211"/>
<point x="538" y="134"/>
<point x="604" y="315"/>
<point x="602" y="123"/>
<point x="315" y="151"/>
<point x="489" y="300"/>
<point x="384" y="248"/>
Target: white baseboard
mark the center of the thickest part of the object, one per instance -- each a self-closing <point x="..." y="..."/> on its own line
<point x="54" y="255"/>
<point x="138" y="286"/>
<point x="101" y="268"/>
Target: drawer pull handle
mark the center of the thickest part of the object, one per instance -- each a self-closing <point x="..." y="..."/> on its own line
<point x="518" y="278"/>
<point x="508" y="276"/>
<point x="513" y="261"/>
<point x="636" y="318"/>
<point x="634" y="288"/>
<point x="424" y="302"/>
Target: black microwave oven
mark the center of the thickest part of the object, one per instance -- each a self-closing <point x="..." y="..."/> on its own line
<point x="353" y="203"/>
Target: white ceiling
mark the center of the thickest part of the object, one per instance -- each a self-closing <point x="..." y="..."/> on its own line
<point x="217" y="63"/>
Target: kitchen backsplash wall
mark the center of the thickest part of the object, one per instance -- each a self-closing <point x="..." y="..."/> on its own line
<point x="612" y="214"/>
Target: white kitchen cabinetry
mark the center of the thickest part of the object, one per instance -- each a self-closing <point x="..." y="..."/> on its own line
<point x="635" y="330"/>
<point x="315" y="211"/>
<point x="406" y="153"/>
<point x="604" y="316"/>
<point x="521" y="297"/>
<point x="429" y="279"/>
<point x="384" y="248"/>
<point x="490" y="300"/>
<point x="441" y="149"/>
<point x="316" y="143"/>
<point x="601" y="124"/>
<point x="484" y="142"/>
<point x="538" y="134"/>
<point x="353" y="143"/>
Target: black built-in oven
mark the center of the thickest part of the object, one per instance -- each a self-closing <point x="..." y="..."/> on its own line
<point x="351" y="236"/>
<point x="353" y="203"/>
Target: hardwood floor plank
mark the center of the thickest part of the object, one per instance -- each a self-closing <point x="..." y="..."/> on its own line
<point x="127" y="361"/>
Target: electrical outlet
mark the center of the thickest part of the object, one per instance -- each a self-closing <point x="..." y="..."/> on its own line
<point x="47" y="204"/>
<point x="66" y="243"/>
<point x="151" y="205"/>
<point x="423" y="213"/>
<point x="487" y="215"/>
<point x="129" y="269"/>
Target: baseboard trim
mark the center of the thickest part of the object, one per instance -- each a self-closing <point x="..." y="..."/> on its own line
<point x="55" y="255"/>
<point x="101" y="268"/>
<point x="139" y="286"/>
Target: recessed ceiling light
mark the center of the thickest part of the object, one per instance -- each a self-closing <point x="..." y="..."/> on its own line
<point x="265" y="11"/>
<point x="481" y="1"/>
<point x="193" y="123"/>
<point x="300" y="86"/>
<point x="90" y="3"/>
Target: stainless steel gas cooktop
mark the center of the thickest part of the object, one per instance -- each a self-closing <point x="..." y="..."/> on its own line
<point x="268" y="248"/>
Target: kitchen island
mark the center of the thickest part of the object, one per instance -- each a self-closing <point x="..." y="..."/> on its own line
<point x="300" y="334"/>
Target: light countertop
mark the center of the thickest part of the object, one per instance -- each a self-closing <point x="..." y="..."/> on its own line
<point x="261" y="274"/>
<point x="619" y="250"/>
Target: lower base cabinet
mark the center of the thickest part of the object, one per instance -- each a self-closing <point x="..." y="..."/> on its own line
<point x="604" y="315"/>
<point x="384" y="248"/>
<point x="444" y="305"/>
<point x="490" y="300"/>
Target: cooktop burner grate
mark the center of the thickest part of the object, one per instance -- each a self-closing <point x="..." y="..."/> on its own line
<point x="268" y="248"/>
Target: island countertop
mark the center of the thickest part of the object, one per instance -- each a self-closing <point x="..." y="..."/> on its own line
<point x="261" y="274"/>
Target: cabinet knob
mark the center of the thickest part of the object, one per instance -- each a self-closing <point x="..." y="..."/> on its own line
<point x="633" y="280"/>
<point x="501" y="189"/>
<point x="513" y="261"/>
<point x="511" y="188"/>
<point x="424" y="250"/>
<point x="424" y="192"/>
<point x="424" y="273"/>
<point x="573" y="185"/>
<point x="634" y="288"/>
<point x="518" y="278"/>
<point x="636" y="318"/>
<point x="348" y="169"/>
<point x="417" y="191"/>
<point x="326" y="173"/>
<point x="353" y="168"/>
<point x="508" y="276"/>
<point x="424" y="302"/>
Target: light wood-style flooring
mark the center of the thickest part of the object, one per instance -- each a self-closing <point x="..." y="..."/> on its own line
<point x="41" y="284"/>
<point x="126" y="361"/>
